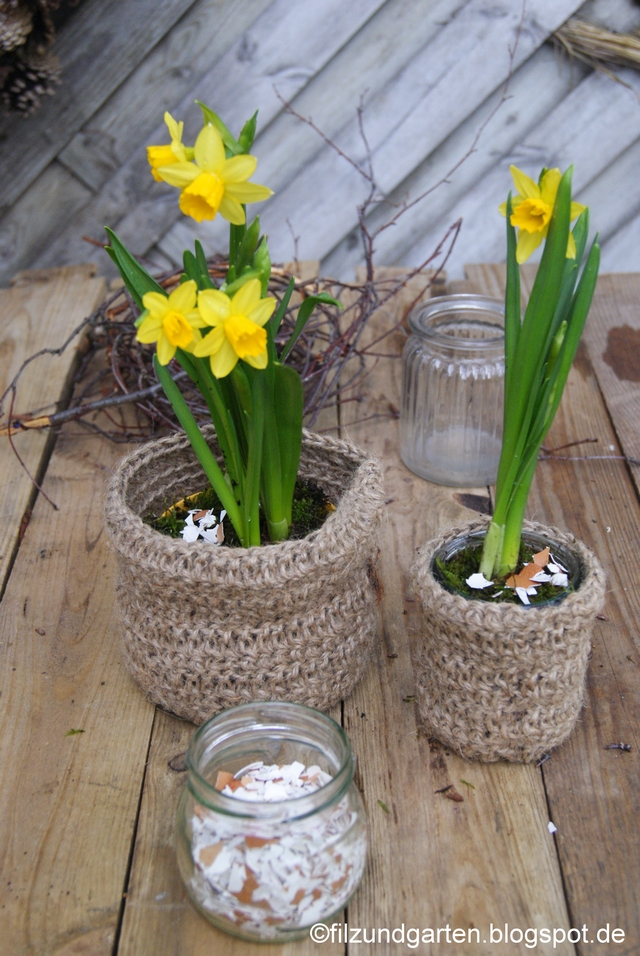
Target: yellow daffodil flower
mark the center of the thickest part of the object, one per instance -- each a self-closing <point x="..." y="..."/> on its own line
<point x="238" y="331"/>
<point x="532" y="208"/>
<point x="213" y="183"/>
<point x="173" y="152"/>
<point x="173" y="321"/>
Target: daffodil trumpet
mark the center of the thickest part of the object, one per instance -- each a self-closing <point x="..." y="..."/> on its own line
<point x="225" y="338"/>
<point x="539" y="349"/>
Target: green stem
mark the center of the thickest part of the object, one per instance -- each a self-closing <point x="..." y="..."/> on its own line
<point x="515" y="517"/>
<point x="203" y="452"/>
<point x="254" y="461"/>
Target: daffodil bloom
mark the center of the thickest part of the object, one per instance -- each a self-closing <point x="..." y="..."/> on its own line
<point x="173" y="321"/>
<point x="173" y="152"/>
<point x="214" y="183"/>
<point x="532" y="208"/>
<point x="237" y="327"/>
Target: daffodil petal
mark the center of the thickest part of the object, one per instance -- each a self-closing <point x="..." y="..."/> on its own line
<point x="223" y="361"/>
<point x="549" y="185"/>
<point x="232" y="211"/>
<point x="194" y="319"/>
<point x="247" y="192"/>
<point x="211" y="343"/>
<point x="246" y="298"/>
<point x="156" y="303"/>
<point x="502" y="209"/>
<point x="209" y="149"/>
<point x="257" y="361"/>
<point x="197" y="337"/>
<point x="165" y="351"/>
<point x="175" y="128"/>
<point x="238" y="168"/>
<point x="525" y="186"/>
<point x="576" y="209"/>
<point x="179" y="174"/>
<point x="184" y="297"/>
<point x="214" y="306"/>
<point x="149" y="330"/>
<point x="528" y="242"/>
<point x="571" y="247"/>
<point x="262" y="312"/>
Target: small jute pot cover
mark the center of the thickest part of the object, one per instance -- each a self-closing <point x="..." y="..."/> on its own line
<point x="498" y="681"/>
<point x="207" y="627"/>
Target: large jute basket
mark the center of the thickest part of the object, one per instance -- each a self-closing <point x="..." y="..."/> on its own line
<point x="498" y="681"/>
<point x="207" y="627"/>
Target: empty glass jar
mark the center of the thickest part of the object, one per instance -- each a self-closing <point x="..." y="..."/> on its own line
<point x="452" y="390"/>
<point x="256" y="861"/>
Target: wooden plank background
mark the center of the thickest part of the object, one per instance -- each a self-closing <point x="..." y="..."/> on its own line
<point x="431" y="73"/>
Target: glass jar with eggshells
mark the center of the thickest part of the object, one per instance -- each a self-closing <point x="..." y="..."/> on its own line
<point x="272" y="835"/>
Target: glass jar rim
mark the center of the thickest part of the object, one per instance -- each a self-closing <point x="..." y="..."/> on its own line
<point x="532" y="536"/>
<point x="293" y="809"/>
<point x="420" y="318"/>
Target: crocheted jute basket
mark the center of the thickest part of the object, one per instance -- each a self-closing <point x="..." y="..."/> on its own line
<point x="497" y="680"/>
<point x="207" y="627"/>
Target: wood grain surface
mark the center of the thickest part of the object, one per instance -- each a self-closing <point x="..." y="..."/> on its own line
<point x="35" y="314"/>
<point x="68" y="805"/>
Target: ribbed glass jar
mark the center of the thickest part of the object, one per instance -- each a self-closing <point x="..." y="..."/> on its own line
<point x="452" y="390"/>
<point x="270" y="870"/>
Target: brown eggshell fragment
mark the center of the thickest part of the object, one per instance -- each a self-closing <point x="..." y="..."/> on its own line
<point x="224" y="779"/>
<point x="541" y="559"/>
<point x="209" y="853"/>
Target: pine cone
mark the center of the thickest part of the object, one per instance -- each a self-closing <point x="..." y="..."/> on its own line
<point x="16" y="22"/>
<point x="30" y="78"/>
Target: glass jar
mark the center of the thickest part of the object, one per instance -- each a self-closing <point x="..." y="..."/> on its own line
<point x="535" y="540"/>
<point x="452" y="390"/>
<point x="270" y="870"/>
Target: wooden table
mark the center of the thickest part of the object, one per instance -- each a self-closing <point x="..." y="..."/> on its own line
<point x="88" y="818"/>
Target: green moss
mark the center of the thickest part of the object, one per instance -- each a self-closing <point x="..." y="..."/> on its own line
<point x="311" y="507"/>
<point x="453" y="575"/>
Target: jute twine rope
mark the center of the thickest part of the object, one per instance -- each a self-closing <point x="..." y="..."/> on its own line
<point x="208" y="627"/>
<point x="497" y="680"/>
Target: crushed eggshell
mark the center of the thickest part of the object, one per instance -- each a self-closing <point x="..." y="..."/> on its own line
<point x="264" y="876"/>
<point x="478" y="581"/>
<point x="542" y="558"/>
<point x="203" y="524"/>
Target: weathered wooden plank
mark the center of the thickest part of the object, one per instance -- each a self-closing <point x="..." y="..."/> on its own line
<point x="506" y="126"/>
<point x="436" y="91"/>
<point x="113" y="38"/>
<point x="591" y="127"/>
<point x="36" y="314"/>
<point x="593" y="792"/>
<point x="612" y="337"/>
<point x="163" y="79"/>
<point x="373" y="56"/>
<point x="620" y="253"/>
<point x="489" y="859"/>
<point x="53" y="198"/>
<point x="285" y="47"/>
<point x="69" y="806"/>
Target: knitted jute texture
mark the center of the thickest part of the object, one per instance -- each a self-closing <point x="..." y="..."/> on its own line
<point x="497" y="680"/>
<point x="208" y="627"/>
